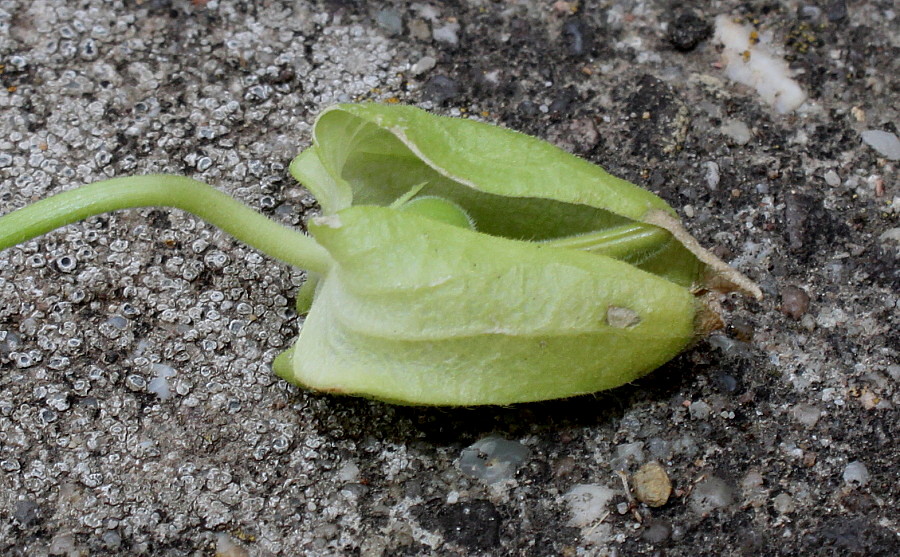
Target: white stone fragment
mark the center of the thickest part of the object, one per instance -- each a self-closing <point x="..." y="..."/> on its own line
<point x="424" y="64"/>
<point x="699" y="410"/>
<point x="856" y="474"/>
<point x="712" y="174"/>
<point x="806" y="414"/>
<point x="737" y="131"/>
<point x="493" y="459"/>
<point x="349" y="473"/>
<point x="751" y="62"/>
<point x="832" y="178"/>
<point x="783" y="504"/>
<point x="886" y="143"/>
<point x="448" y="33"/>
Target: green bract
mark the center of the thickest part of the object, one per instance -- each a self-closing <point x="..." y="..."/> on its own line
<point x="455" y="262"/>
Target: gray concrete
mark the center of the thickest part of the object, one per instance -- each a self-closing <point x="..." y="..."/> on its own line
<point x="779" y="435"/>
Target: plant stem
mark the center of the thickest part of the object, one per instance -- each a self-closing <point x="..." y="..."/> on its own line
<point x="618" y="242"/>
<point x="164" y="190"/>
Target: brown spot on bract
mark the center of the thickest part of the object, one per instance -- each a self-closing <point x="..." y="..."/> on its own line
<point x="622" y="318"/>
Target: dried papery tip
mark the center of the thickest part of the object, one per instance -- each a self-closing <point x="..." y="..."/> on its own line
<point x="720" y="276"/>
<point x="708" y="317"/>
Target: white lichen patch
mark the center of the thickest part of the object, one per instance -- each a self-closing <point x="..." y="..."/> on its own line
<point x="588" y="507"/>
<point x="159" y="385"/>
<point x="750" y="59"/>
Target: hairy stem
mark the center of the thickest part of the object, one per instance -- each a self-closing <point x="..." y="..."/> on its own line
<point x="164" y="190"/>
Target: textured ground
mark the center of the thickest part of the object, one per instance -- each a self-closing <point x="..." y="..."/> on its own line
<point x="779" y="436"/>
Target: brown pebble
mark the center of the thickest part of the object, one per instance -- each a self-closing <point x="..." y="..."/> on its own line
<point x="651" y="484"/>
<point x="809" y="459"/>
<point x="564" y="466"/>
<point x="794" y="301"/>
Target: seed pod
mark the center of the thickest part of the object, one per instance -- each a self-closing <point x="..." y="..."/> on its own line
<point x="512" y="185"/>
<point x="572" y="280"/>
<point x="456" y="263"/>
<point x="419" y="311"/>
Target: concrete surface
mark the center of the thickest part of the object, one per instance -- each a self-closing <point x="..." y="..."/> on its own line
<point x="779" y="436"/>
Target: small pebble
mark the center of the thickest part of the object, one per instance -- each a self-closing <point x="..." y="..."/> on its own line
<point x="419" y="29"/>
<point x="712" y="174"/>
<point x="447" y="34"/>
<point x="493" y="459"/>
<point x="737" y="131"/>
<point x="794" y="302"/>
<point x="349" y="473"/>
<point x="699" y="410"/>
<point x="856" y="474"/>
<point x="741" y="329"/>
<point x="528" y="108"/>
<point x="727" y="382"/>
<point x="806" y="414"/>
<point x="832" y="178"/>
<point x="687" y="31"/>
<point x="710" y="494"/>
<point x="652" y="485"/>
<point x="808" y="322"/>
<point x="783" y="504"/>
<point x="424" y="64"/>
<point x="797" y="211"/>
<point x="752" y="487"/>
<point x="885" y="143"/>
<point x="686" y="446"/>
<point x="894" y="371"/>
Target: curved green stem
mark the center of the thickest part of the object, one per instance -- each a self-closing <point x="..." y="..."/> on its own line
<point x="619" y="242"/>
<point x="164" y="190"/>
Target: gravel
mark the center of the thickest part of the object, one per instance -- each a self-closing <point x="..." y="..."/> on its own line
<point x="777" y="434"/>
<point x="885" y="143"/>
